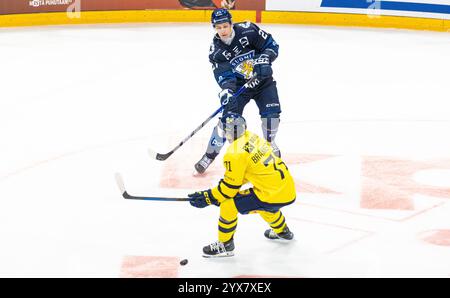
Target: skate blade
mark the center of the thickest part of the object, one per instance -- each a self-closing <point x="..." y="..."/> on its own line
<point x="222" y="255"/>
<point x="279" y="239"/>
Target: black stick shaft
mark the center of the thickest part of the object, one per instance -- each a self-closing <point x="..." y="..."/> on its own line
<point x="127" y="196"/>
<point x="160" y="156"/>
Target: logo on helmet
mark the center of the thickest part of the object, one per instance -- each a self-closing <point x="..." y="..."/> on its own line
<point x="220" y="16"/>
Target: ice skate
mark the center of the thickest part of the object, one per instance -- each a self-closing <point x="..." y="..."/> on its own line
<point x="219" y="249"/>
<point x="284" y="235"/>
<point x="203" y="164"/>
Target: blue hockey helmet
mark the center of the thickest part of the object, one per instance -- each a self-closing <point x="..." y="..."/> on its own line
<point x="234" y="125"/>
<point x="220" y="15"/>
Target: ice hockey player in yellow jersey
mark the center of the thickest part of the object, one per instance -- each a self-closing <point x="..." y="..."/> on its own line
<point x="249" y="158"/>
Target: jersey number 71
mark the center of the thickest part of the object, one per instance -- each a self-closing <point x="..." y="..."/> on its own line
<point x="270" y="159"/>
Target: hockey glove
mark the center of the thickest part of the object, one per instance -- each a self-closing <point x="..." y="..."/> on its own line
<point x="228" y="101"/>
<point x="202" y="199"/>
<point x="262" y="67"/>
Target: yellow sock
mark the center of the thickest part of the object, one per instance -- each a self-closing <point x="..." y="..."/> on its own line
<point x="275" y="220"/>
<point x="227" y="220"/>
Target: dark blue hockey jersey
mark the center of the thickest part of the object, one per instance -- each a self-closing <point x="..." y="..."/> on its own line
<point x="233" y="64"/>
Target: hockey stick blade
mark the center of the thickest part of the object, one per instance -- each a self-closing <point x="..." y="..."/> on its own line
<point x="126" y="195"/>
<point x="159" y="156"/>
<point x="163" y="157"/>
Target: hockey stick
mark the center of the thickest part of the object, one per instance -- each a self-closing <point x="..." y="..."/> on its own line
<point x="126" y="195"/>
<point x="164" y="156"/>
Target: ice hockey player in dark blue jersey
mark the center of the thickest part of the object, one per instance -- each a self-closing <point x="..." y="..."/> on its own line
<point x="239" y="51"/>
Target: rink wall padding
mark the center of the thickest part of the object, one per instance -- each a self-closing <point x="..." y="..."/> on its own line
<point x="193" y="15"/>
<point x="355" y="20"/>
<point x="127" y="16"/>
<point x="40" y="6"/>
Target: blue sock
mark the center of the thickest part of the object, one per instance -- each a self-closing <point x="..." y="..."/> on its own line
<point x="215" y="144"/>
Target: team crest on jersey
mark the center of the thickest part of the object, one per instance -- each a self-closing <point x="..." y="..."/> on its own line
<point x="243" y="64"/>
<point x="249" y="147"/>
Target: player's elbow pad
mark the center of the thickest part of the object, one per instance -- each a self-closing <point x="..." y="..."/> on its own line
<point x="271" y="53"/>
<point x="271" y="49"/>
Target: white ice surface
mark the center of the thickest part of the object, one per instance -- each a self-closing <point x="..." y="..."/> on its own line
<point x="78" y="104"/>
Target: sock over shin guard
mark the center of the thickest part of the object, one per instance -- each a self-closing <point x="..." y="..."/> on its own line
<point x="270" y="124"/>
<point x="228" y="220"/>
<point x="275" y="220"/>
<point x="216" y="142"/>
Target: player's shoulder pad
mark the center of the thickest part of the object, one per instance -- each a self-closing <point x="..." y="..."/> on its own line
<point x="214" y="50"/>
<point x="246" y="27"/>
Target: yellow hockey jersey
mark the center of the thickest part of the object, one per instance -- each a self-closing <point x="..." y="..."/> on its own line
<point x="251" y="159"/>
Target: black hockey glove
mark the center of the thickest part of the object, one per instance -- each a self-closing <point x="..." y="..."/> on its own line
<point x="262" y="67"/>
<point x="228" y="101"/>
<point x="202" y="199"/>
